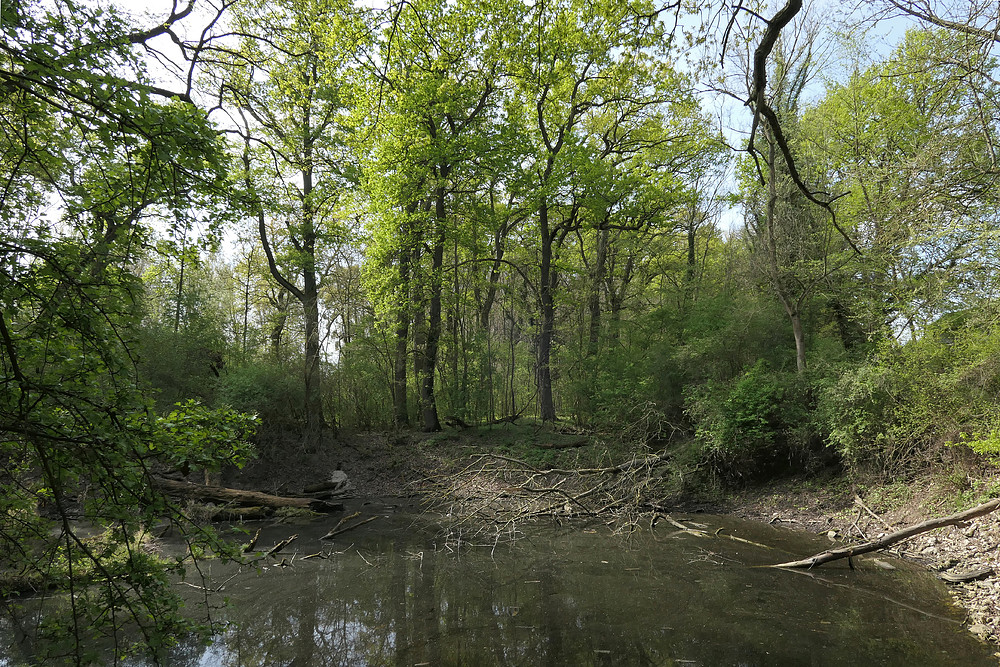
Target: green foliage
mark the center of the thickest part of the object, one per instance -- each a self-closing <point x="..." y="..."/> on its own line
<point x="897" y="409"/>
<point x="193" y="435"/>
<point x="357" y="387"/>
<point x="757" y="425"/>
<point x="94" y="151"/>
<point x="268" y="389"/>
<point x="858" y="410"/>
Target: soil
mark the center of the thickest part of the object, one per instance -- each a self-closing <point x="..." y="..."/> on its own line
<point x="414" y="464"/>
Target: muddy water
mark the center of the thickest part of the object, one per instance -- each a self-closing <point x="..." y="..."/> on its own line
<point x="403" y="594"/>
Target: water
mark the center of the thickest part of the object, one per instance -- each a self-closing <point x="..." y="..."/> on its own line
<point x="397" y="592"/>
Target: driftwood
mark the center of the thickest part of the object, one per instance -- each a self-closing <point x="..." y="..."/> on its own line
<point x="280" y="545"/>
<point x="337" y="530"/>
<point x="252" y="543"/>
<point x="242" y="513"/>
<point x="337" y="486"/>
<point x="219" y="494"/>
<point x="892" y="538"/>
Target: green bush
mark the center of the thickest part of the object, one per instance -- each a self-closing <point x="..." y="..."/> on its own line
<point x="757" y="425"/>
<point x="197" y="437"/>
<point x="898" y="409"/>
<point x="858" y="414"/>
<point x="275" y="392"/>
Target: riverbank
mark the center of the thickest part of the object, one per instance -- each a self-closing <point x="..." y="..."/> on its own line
<point x="484" y="467"/>
<point x="852" y="513"/>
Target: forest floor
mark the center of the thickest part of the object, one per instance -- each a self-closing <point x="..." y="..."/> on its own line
<point x="427" y="466"/>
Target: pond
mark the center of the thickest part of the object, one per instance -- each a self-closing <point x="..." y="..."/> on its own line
<point x="399" y="592"/>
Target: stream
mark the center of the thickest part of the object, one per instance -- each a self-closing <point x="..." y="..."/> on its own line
<point x="397" y="591"/>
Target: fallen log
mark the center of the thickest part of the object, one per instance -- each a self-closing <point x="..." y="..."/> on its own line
<point x="892" y="538"/>
<point x="220" y="494"/>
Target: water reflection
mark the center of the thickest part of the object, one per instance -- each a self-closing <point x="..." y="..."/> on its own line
<point x="399" y="595"/>
<point x="569" y="597"/>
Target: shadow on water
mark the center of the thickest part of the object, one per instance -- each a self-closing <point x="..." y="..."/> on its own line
<point x="400" y="594"/>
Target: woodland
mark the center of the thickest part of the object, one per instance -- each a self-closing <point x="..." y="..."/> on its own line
<point x="764" y="236"/>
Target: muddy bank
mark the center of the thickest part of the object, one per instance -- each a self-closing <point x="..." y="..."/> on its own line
<point x="850" y="514"/>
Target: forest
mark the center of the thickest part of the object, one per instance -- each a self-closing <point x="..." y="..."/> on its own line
<point x="765" y="237"/>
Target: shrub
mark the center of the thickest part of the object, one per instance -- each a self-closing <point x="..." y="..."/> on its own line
<point x="758" y="424"/>
<point x="268" y="389"/>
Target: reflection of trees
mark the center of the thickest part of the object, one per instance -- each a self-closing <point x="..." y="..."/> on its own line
<point x="575" y="600"/>
<point x="408" y="607"/>
<point x="411" y="607"/>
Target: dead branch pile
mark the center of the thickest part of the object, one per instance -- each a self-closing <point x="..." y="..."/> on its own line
<point x="502" y="490"/>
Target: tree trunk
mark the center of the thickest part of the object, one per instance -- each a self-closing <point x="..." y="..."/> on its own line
<point x="547" y="410"/>
<point x="219" y="494"/>
<point x="594" y="302"/>
<point x="313" y="379"/>
<point x="401" y="413"/>
<point x="428" y="403"/>
<point x="800" y="340"/>
<point x="280" y="304"/>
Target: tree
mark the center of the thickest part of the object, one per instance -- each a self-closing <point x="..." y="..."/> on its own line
<point x="911" y="138"/>
<point x="435" y="100"/>
<point x="291" y="90"/>
<point x="91" y="151"/>
<point x="588" y="91"/>
<point x="789" y="237"/>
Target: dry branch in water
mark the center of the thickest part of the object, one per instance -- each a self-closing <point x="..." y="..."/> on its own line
<point x="892" y="538"/>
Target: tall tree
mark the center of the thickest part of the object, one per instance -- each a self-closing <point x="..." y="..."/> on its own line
<point x="436" y="93"/>
<point x="289" y="80"/>
<point x="912" y="139"/>
<point x="589" y="77"/>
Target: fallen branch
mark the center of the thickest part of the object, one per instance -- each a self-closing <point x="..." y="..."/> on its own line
<point x="337" y="530"/>
<point x="252" y="543"/>
<point x="892" y="538"/>
<point x="577" y="442"/>
<point x="281" y="545"/>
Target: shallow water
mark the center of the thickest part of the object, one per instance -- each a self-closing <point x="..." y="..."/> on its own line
<point x="397" y="592"/>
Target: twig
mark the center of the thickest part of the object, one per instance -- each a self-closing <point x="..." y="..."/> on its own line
<point x="860" y="503"/>
<point x="335" y="531"/>
<point x="281" y="545"/>
<point x="252" y="543"/>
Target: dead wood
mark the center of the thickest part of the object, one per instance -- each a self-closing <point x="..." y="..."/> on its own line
<point x="252" y="513"/>
<point x="252" y="543"/>
<point x="971" y="575"/>
<point x="219" y="494"/>
<point x="281" y="545"/>
<point x="337" y="530"/>
<point x="577" y="442"/>
<point x="323" y="487"/>
<point x="509" y="419"/>
<point x="892" y="538"/>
